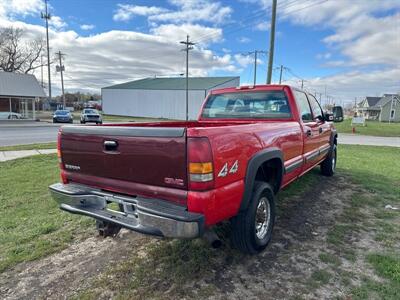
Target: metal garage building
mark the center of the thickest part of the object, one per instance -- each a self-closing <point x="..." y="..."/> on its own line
<point x="161" y="97"/>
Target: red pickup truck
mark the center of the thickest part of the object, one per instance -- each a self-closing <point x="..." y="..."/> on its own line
<point x="178" y="179"/>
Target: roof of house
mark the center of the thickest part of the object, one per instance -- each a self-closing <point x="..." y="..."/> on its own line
<point x="23" y="85"/>
<point x="372" y="100"/>
<point x="175" y="83"/>
<point x="386" y="99"/>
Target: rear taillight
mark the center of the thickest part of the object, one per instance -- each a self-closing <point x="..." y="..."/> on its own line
<point x="200" y="166"/>
<point x="60" y="162"/>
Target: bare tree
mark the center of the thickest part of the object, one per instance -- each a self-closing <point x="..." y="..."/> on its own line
<point x="18" y="55"/>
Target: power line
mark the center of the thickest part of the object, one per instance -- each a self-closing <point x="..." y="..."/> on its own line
<point x="255" y="17"/>
<point x="255" y="52"/>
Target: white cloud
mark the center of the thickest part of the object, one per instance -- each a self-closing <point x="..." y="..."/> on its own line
<point x="361" y="33"/>
<point x="12" y="8"/>
<point x="188" y="11"/>
<point x="111" y="57"/>
<point x="244" y="40"/>
<point x="197" y="32"/>
<point x="326" y="55"/>
<point x="245" y="60"/>
<point x="345" y="86"/>
<point x="263" y="26"/>
<point x="365" y="33"/>
<point x="125" y="12"/>
<point x="57" y="23"/>
<point x="87" y="26"/>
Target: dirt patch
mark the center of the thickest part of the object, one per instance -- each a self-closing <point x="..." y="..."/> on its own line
<point x="289" y="268"/>
<point x="64" y="274"/>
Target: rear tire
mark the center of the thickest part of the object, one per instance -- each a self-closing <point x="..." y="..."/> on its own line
<point x="252" y="228"/>
<point x="328" y="166"/>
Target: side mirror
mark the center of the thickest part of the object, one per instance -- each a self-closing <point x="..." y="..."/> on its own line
<point x="338" y="115"/>
<point x="328" y="117"/>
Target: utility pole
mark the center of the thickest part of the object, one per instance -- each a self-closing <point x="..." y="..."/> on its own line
<point x="41" y="70"/>
<point x="255" y="67"/>
<point x="256" y="52"/>
<point x="280" y="75"/>
<point x="47" y="17"/>
<point x="271" y="43"/>
<point x="189" y="46"/>
<point x="60" y="69"/>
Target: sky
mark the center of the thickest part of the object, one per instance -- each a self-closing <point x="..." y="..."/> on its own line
<point x="341" y="49"/>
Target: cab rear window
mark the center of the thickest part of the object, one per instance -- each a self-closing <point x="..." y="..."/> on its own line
<point x="247" y="105"/>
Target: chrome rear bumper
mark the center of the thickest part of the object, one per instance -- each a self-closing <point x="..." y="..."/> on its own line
<point x="144" y="215"/>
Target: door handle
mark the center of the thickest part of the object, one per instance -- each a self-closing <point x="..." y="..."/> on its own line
<point x="308" y="132"/>
<point x="110" y="145"/>
<point x="320" y="130"/>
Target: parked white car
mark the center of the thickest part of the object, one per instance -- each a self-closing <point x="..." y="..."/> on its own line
<point x="91" y="115"/>
<point x="5" y="115"/>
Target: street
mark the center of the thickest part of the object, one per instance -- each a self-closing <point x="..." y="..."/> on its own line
<point x="19" y="134"/>
<point x="32" y="133"/>
<point x="354" y="139"/>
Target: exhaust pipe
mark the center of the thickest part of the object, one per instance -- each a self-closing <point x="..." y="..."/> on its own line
<point x="212" y="238"/>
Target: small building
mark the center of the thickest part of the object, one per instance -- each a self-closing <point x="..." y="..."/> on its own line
<point x="384" y="109"/>
<point x="18" y="94"/>
<point x="161" y="97"/>
<point x="367" y="109"/>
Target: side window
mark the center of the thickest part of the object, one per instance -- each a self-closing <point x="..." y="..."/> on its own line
<point x="316" y="108"/>
<point x="303" y="106"/>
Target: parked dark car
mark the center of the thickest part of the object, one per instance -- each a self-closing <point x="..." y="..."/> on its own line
<point x="91" y="115"/>
<point x="62" y="116"/>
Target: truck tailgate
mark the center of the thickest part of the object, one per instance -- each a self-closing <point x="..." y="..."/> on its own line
<point x="123" y="158"/>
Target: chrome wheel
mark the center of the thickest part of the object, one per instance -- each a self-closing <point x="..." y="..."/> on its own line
<point x="263" y="216"/>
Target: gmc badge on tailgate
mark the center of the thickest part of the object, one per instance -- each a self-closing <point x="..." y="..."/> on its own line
<point x="174" y="181"/>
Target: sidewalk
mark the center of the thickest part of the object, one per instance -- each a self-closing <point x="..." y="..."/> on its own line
<point x="355" y="139"/>
<point x="10" y="155"/>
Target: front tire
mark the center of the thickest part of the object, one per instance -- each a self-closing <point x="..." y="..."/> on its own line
<point x="328" y="166"/>
<point x="252" y="228"/>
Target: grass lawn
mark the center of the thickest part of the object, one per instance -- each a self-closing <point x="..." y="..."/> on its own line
<point x="30" y="147"/>
<point x="31" y="224"/>
<point x="182" y="262"/>
<point x="374" y="128"/>
<point x="377" y="170"/>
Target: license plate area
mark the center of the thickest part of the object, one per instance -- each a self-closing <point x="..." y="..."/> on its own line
<point x="121" y="205"/>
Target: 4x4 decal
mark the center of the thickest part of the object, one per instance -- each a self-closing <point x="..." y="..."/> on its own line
<point x="224" y="171"/>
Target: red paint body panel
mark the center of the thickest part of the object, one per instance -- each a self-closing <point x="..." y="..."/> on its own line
<point x="142" y="163"/>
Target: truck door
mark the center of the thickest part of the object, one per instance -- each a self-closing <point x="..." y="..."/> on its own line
<point x="323" y="126"/>
<point x="310" y="131"/>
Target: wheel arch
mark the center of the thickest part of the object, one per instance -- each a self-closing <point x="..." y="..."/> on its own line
<point x="262" y="164"/>
<point x="333" y="138"/>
